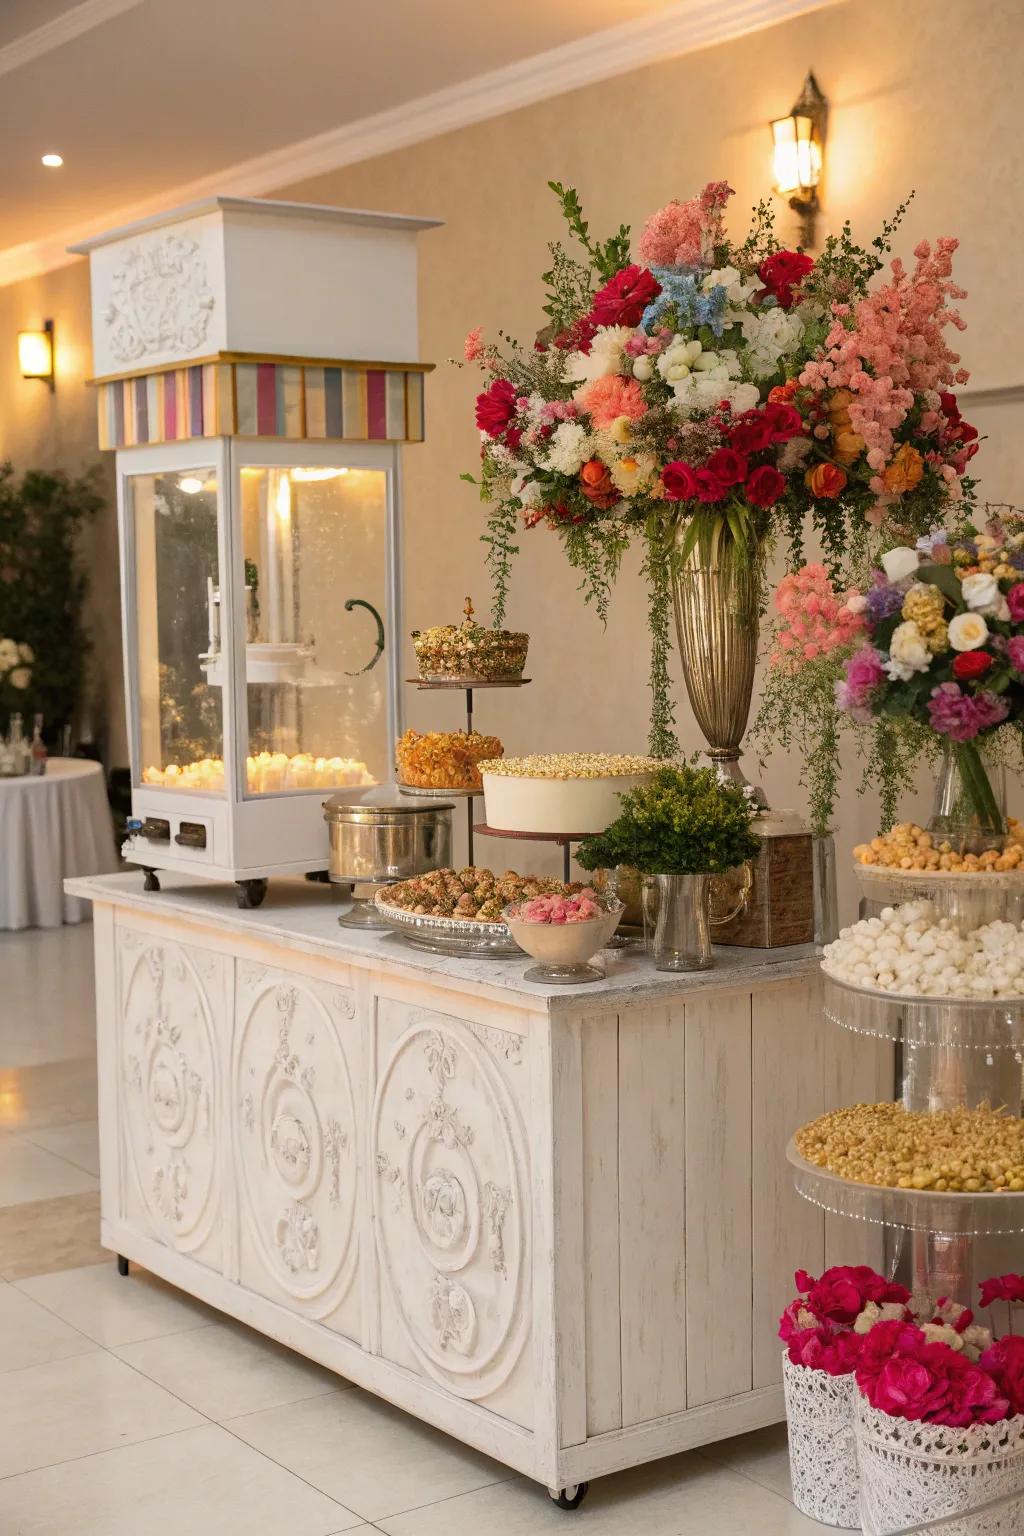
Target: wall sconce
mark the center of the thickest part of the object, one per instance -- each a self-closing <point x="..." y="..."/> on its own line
<point x="798" y="143"/>
<point x="35" y="354"/>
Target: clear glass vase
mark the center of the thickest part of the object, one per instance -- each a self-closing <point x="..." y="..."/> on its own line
<point x="969" y="810"/>
<point x="676" y="915"/>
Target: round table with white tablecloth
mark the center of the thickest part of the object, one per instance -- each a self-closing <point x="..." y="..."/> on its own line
<point x="51" y="826"/>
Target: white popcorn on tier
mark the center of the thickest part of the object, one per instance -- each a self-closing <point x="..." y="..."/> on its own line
<point x="266" y="773"/>
<point x="912" y="951"/>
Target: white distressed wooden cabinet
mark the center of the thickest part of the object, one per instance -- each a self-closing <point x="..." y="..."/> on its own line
<point x="557" y="1225"/>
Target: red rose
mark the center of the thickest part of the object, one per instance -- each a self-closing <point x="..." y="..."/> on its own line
<point x="751" y="432"/>
<point x="597" y="484"/>
<point x="496" y="408"/>
<point x="680" y="481"/>
<point x="623" y="300"/>
<point x="971" y="664"/>
<point x="709" y="487"/>
<point x="577" y="337"/>
<point x="728" y="466"/>
<point x="1005" y="1361"/>
<point x="781" y="273"/>
<point x="785" y="421"/>
<point x="764" y="486"/>
<point x="1002" y="1288"/>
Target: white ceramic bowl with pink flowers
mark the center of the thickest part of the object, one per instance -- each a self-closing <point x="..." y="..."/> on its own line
<point x="564" y="933"/>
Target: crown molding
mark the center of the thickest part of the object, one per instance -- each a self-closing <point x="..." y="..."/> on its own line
<point x="62" y="29"/>
<point x="681" y="28"/>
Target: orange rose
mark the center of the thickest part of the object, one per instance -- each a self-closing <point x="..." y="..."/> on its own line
<point x="903" y="470"/>
<point x="839" y="404"/>
<point x="825" y="480"/>
<point x="597" y="484"/>
<point x="783" y="393"/>
<point x="847" y="444"/>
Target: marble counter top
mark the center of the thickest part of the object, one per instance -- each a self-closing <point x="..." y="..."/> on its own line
<point x="303" y="916"/>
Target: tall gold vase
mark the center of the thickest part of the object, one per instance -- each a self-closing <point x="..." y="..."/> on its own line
<point x="717" y="602"/>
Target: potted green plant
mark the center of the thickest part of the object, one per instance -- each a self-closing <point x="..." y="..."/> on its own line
<point x="686" y="824"/>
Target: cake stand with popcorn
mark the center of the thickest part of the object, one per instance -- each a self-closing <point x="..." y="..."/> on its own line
<point x="942" y="1170"/>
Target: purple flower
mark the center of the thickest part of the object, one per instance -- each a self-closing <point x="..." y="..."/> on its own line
<point x="961" y="716"/>
<point x="1015" y="652"/>
<point x="883" y="600"/>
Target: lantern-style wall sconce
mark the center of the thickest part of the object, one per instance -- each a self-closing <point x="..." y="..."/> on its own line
<point x="35" y="354"/>
<point x="798" y="142"/>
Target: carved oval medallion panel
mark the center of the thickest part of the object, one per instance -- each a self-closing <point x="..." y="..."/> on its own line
<point x="159" y="300"/>
<point x="295" y="1135"/>
<point x="168" y="1083"/>
<point x="451" y="1170"/>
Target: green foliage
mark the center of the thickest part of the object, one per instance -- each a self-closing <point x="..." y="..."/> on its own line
<point x="569" y="288"/>
<point x="42" y="585"/>
<point x="606" y="257"/>
<point x="686" y="821"/>
<point x="662" y="740"/>
<point x="797" y="715"/>
<point x="596" y="550"/>
<point x="844" y="269"/>
<point x="761" y="239"/>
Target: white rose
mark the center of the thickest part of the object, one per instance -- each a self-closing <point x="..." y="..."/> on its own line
<point x="857" y="603"/>
<point x="736" y="290"/>
<point x="20" y="677"/>
<point x="900" y="563"/>
<point x="981" y="592"/>
<point x="908" y="652"/>
<point x="605" y="355"/>
<point x="643" y="369"/>
<point x="679" y="359"/>
<point x="26" y="653"/>
<point x="743" y="397"/>
<point x="9" y="656"/>
<point x="967" y="632"/>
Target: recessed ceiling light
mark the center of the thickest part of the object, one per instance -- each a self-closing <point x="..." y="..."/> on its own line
<point x="53" y="161"/>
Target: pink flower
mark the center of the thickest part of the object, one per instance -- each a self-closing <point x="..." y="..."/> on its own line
<point x="684" y="235"/>
<point x="1004" y="1360"/>
<point x="1015" y="602"/>
<point x="1015" y="652"/>
<point x="903" y="1375"/>
<point x="609" y="397"/>
<point x="962" y="716"/>
<point x="822" y="1349"/>
<point x="473" y="346"/>
<point x="813" y="619"/>
<point x="864" y="673"/>
<point x="1002" y="1288"/>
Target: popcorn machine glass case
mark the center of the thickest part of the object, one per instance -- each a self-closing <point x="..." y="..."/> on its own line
<point x="258" y="498"/>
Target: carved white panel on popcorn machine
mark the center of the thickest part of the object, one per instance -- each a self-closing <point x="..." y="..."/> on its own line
<point x="254" y="376"/>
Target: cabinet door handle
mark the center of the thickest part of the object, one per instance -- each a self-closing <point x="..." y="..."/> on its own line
<point x="360" y="602"/>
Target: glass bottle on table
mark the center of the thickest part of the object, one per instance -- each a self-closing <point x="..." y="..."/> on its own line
<point x="38" y="752"/>
<point x="18" y="746"/>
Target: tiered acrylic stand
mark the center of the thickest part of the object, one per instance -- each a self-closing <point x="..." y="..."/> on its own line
<point x="469" y="795"/>
<point x="951" y="1053"/>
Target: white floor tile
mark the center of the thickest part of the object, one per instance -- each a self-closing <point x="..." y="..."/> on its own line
<point x="225" y="1371"/>
<point x="29" y="1335"/>
<point x="683" y="1496"/>
<point x="762" y="1455"/>
<point x="68" y="1408"/>
<point x="48" y="1011"/>
<point x="375" y="1459"/>
<point x="117" y="1309"/>
<point x="78" y="1144"/>
<point x="202" y="1483"/>
<point x="27" y="1172"/>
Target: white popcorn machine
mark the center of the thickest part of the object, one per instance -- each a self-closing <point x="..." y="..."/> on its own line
<point x="253" y="374"/>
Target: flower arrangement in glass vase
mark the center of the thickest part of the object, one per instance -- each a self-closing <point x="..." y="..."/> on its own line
<point x="706" y="395"/>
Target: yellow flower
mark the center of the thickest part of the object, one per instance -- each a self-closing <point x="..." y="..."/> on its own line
<point x="904" y="470"/>
<point x="847" y="445"/>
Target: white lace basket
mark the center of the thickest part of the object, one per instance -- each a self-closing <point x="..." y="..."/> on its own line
<point x="913" y="1472"/>
<point x="822" y="1448"/>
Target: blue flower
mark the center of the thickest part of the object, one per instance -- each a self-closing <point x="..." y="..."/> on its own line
<point x="681" y="294"/>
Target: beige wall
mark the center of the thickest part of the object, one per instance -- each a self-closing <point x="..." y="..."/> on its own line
<point x="925" y="94"/>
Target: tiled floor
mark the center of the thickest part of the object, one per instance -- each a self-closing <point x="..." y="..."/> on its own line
<point x="127" y="1407"/>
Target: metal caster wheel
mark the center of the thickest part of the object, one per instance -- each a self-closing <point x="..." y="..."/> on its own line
<point x="250" y="893"/>
<point x="569" y="1498"/>
<point x="150" y="879"/>
<point x="122" y="1264"/>
<point x="318" y="876"/>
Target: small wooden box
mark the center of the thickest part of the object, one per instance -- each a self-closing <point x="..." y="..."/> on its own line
<point x="779" y="908"/>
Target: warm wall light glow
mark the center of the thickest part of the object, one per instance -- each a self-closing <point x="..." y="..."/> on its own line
<point x="35" y="353"/>
<point x="300" y="475"/>
<point x="53" y="161"/>
<point x="797" y="141"/>
<point x="190" y="484"/>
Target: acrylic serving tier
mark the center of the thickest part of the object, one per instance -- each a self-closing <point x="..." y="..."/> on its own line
<point x="969" y="899"/>
<point x="952" y="1023"/>
<point x="257" y="467"/>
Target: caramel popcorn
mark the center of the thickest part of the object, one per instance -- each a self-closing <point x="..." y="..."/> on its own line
<point x="974" y="1151"/>
<point x="443" y="759"/>
<point x="469" y="652"/>
<point x="907" y="846"/>
<point x="572" y="765"/>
